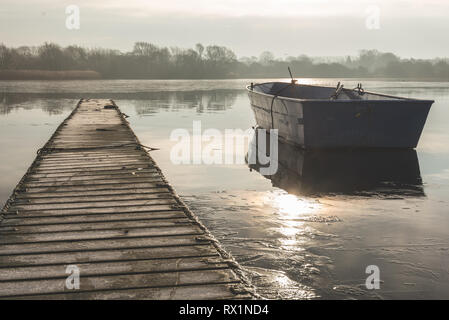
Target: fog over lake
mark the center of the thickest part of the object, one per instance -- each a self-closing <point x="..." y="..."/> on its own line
<point x="287" y="27"/>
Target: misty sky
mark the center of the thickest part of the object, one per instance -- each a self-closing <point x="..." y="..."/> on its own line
<point x="410" y="28"/>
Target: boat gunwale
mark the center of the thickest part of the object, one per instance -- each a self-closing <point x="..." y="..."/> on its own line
<point x="397" y="98"/>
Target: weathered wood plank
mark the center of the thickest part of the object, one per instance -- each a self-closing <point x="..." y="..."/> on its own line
<point x="87" y="210"/>
<point x="76" y="218"/>
<point x="81" y="164"/>
<point x="104" y="181"/>
<point x="104" y="268"/>
<point x="82" y="226"/>
<point x="121" y="186"/>
<point x="96" y="204"/>
<point x="131" y="281"/>
<point x="109" y="255"/>
<point x="91" y="173"/>
<point x="74" y="178"/>
<point x="201" y="292"/>
<point x="134" y="166"/>
<point x="99" y="244"/>
<point x="92" y="193"/>
<point x="94" y="198"/>
<point x="39" y="237"/>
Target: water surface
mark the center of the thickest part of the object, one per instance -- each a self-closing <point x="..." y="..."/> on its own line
<point x="310" y="230"/>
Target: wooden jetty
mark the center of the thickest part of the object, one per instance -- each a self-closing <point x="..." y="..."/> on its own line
<point x="95" y="199"/>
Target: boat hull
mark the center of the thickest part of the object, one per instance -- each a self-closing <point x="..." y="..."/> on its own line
<point x="342" y="124"/>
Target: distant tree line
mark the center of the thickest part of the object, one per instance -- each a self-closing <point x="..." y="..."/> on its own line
<point x="148" y="61"/>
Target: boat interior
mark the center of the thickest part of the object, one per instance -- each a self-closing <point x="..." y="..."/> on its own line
<point x="310" y="92"/>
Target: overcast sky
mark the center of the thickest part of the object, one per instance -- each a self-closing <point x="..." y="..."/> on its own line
<point x="413" y="28"/>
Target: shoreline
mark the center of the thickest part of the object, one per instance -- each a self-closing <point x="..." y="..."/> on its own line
<point x="68" y="75"/>
<point x="49" y="75"/>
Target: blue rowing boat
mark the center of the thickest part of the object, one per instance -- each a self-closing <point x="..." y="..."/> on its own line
<point x="327" y="117"/>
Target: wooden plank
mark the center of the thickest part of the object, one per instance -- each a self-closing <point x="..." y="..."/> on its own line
<point x="82" y="226"/>
<point x="85" y="157"/>
<point x="100" y="244"/>
<point x="95" y="199"/>
<point x="113" y="202"/>
<point x="98" y="234"/>
<point x="133" y="166"/>
<point x="104" y="181"/>
<point x="121" y="186"/>
<point x="197" y="292"/>
<point x="126" y="281"/>
<point x="81" y="164"/>
<point x="85" y="177"/>
<point x="105" y="268"/>
<point x="76" y="218"/>
<point x="91" y="153"/>
<point x="92" y="193"/>
<point x="110" y="255"/>
<point x="91" y="173"/>
<point x="89" y="210"/>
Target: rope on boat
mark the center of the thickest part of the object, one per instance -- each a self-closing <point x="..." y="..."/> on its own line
<point x="50" y="149"/>
<point x="274" y="97"/>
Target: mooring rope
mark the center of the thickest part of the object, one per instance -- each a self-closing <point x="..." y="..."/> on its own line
<point x="272" y="102"/>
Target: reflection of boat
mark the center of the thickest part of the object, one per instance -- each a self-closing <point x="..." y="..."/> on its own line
<point x="325" y="117"/>
<point x="383" y="172"/>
